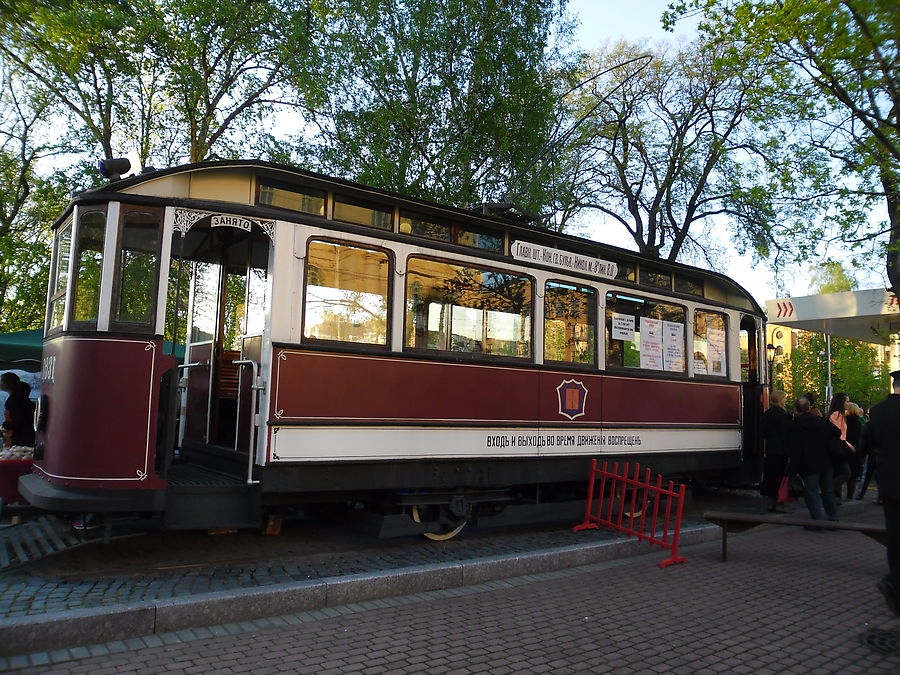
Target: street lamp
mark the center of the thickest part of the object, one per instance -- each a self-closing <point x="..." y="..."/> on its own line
<point x="771" y="350"/>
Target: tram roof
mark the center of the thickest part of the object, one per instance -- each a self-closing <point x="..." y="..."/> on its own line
<point x="515" y="226"/>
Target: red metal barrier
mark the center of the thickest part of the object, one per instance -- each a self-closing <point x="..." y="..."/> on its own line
<point x="627" y="502"/>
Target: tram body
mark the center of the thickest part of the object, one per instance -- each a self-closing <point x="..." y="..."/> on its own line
<point x="226" y="337"/>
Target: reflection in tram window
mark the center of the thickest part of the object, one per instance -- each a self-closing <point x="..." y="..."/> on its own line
<point x="346" y="294"/>
<point x="89" y="256"/>
<point x="177" y="292"/>
<point x="235" y="298"/>
<point x="205" y="301"/>
<point x="644" y="334"/>
<point x="60" y="276"/>
<point x="464" y="309"/>
<point x="257" y="287"/>
<point x="709" y="343"/>
<point x="137" y="274"/>
<point x="570" y="323"/>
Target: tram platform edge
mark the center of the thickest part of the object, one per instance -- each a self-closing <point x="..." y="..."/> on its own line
<point x="58" y="630"/>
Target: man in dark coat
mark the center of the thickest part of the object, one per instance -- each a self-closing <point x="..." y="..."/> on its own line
<point x="811" y="460"/>
<point x="776" y="431"/>
<point x="883" y="432"/>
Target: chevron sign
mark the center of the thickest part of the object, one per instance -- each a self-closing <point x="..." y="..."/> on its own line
<point x="784" y="309"/>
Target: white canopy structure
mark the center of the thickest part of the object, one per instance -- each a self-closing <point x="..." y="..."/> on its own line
<point x="869" y="316"/>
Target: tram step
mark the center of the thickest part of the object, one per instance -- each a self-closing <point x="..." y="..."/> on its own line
<point x="36" y="539"/>
<point x="203" y="507"/>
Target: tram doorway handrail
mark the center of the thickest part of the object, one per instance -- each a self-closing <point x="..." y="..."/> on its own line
<point x="255" y="387"/>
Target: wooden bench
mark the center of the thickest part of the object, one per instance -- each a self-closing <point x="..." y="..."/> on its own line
<point x="739" y="522"/>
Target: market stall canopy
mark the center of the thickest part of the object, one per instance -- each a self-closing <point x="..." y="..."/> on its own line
<point x="870" y="316"/>
<point x="21" y="350"/>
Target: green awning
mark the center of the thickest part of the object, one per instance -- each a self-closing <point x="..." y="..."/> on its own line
<point x="21" y="350"/>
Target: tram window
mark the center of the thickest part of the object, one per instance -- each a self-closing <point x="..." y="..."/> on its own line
<point x="688" y="285"/>
<point x="88" y="266"/>
<point x="570" y="323"/>
<point x="136" y="278"/>
<point x="626" y="272"/>
<point x="60" y="276"/>
<point x="709" y="343"/>
<point x="305" y="200"/>
<point x="655" y="278"/>
<point x="205" y="303"/>
<point x="362" y="213"/>
<point x="413" y="224"/>
<point x="483" y="240"/>
<point x="257" y="288"/>
<point x="233" y="311"/>
<point x="466" y="309"/>
<point x="644" y="334"/>
<point x="346" y="293"/>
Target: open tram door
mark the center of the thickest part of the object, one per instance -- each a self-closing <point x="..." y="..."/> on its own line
<point x="220" y="283"/>
<point x="752" y="394"/>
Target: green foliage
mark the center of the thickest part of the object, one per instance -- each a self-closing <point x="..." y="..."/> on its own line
<point x="831" y="277"/>
<point x="855" y="369"/>
<point x="446" y="100"/>
<point x="832" y="132"/>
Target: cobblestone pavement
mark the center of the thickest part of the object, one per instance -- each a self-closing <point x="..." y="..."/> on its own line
<point x="788" y="600"/>
<point x="179" y="564"/>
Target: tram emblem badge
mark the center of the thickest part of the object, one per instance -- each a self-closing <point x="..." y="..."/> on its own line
<point x="572" y="396"/>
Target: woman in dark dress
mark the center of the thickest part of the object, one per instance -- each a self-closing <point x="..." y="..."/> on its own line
<point x="18" y="423"/>
<point x="854" y="435"/>
<point x="776" y="429"/>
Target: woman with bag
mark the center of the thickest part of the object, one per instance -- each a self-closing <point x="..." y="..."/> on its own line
<point x="854" y="436"/>
<point x="837" y="415"/>
<point x="776" y="430"/>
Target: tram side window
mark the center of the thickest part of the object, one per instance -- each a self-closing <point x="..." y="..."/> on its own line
<point x="346" y="293"/>
<point x="362" y="213"/>
<point x="88" y="266"/>
<point x="709" y="343"/>
<point x="304" y="200"/>
<point x="570" y="323"/>
<point x="644" y="334"/>
<point x="467" y="309"/>
<point x="134" y="292"/>
<point x="60" y="276"/>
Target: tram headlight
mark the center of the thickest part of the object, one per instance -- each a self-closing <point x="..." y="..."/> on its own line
<point x="114" y="168"/>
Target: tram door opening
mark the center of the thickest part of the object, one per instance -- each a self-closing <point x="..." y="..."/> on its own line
<point x="752" y="395"/>
<point x="225" y="271"/>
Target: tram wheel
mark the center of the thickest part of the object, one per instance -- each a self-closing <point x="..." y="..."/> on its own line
<point x="449" y="528"/>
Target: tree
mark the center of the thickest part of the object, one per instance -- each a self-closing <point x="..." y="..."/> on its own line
<point x="25" y="199"/>
<point x="831" y="277"/>
<point x="834" y="65"/>
<point x="445" y="100"/>
<point x="663" y="148"/>
<point x="229" y="63"/>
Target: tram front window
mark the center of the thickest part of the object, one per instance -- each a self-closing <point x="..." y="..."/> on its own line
<point x="136" y="277"/>
<point x="89" y="257"/>
<point x="60" y="276"/>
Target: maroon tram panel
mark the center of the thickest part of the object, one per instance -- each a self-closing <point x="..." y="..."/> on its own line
<point x="102" y="398"/>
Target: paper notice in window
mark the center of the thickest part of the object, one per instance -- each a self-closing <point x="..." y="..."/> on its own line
<point x="623" y="327"/>
<point x="651" y="344"/>
<point x="673" y="346"/>
<point x="716" y="342"/>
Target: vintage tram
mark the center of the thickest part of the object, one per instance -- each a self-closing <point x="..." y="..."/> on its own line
<point x="227" y="338"/>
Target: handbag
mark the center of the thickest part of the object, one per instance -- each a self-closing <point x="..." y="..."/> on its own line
<point x="785" y="494"/>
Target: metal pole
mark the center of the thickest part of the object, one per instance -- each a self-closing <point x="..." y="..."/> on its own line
<point x="829" y="392"/>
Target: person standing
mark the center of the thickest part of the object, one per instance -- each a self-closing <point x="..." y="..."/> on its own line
<point x="776" y="431"/>
<point x="811" y="460"/>
<point x="18" y="423"/>
<point x="854" y="438"/>
<point x="812" y="398"/>
<point x="837" y="415"/>
<point x="883" y="432"/>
